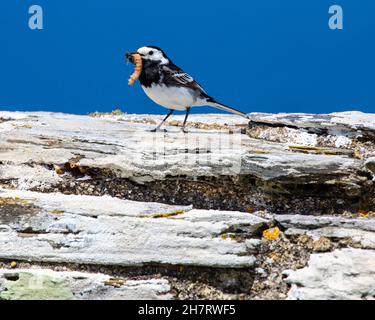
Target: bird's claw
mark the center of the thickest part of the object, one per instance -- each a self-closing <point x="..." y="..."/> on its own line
<point x="158" y="130"/>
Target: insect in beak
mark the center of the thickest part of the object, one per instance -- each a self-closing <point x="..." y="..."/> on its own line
<point x="135" y="58"/>
<point x="129" y="57"/>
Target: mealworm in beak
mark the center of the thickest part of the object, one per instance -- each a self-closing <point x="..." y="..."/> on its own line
<point x="138" y="69"/>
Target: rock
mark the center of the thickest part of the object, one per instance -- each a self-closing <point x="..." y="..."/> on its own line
<point x="174" y="215"/>
<point x="306" y="241"/>
<point x="44" y="284"/>
<point x="358" y="232"/>
<point x="350" y="124"/>
<point x="30" y="287"/>
<point x="364" y="239"/>
<point x="315" y="222"/>
<point x="322" y="245"/>
<point x="341" y="274"/>
<point x="108" y="231"/>
<point x="370" y="164"/>
<point x="116" y="145"/>
<point x="116" y="155"/>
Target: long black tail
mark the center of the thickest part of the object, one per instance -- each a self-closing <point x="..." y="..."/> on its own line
<point x="215" y="104"/>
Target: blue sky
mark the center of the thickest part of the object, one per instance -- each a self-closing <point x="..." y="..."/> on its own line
<point x="255" y="55"/>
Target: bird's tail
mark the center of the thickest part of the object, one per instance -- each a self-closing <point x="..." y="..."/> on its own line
<point x="220" y="106"/>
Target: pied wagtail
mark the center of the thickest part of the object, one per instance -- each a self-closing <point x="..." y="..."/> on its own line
<point x="169" y="86"/>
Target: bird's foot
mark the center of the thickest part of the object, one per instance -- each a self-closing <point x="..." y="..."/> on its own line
<point x="158" y="130"/>
<point x="184" y="130"/>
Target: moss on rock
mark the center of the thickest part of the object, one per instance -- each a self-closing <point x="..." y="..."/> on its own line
<point x="35" y="287"/>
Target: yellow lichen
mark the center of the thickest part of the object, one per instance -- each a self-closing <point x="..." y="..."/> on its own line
<point x="315" y="150"/>
<point x="115" y="282"/>
<point x="56" y="211"/>
<point x="304" y="148"/>
<point x="250" y="210"/>
<point x="13" y="264"/>
<point x="59" y="170"/>
<point x="364" y="214"/>
<point x="165" y="215"/>
<point x="22" y="126"/>
<point x="14" y="201"/>
<point x="271" y="234"/>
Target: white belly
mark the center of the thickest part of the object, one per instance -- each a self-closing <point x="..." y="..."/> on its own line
<point x="170" y="97"/>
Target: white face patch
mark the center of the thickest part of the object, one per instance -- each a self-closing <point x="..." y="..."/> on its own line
<point x="152" y="54"/>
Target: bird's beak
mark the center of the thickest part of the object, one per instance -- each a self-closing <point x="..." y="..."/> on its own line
<point x="129" y="57"/>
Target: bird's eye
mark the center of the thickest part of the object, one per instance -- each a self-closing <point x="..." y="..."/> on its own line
<point x="151" y="53"/>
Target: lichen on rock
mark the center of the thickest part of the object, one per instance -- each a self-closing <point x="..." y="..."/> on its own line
<point x="34" y="287"/>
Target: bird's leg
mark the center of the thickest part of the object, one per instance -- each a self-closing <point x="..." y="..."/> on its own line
<point x="186" y="117"/>
<point x="165" y="119"/>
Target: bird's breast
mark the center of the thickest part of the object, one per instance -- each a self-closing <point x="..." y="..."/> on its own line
<point x="177" y="98"/>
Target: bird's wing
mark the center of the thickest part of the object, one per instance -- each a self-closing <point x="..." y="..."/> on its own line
<point x="173" y="75"/>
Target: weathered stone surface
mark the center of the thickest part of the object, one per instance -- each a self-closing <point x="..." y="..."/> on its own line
<point x="126" y="146"/>
<point x="350" y="124"/>
<point x="315" y="222"/>
<point x="370" y="164"/>
<point x="365" y="239"/>
<point x="122" y="145"/>
<point x="67" y="203"/>
<point x="341" y="274"/>
<point x="85" y="155"/>
<point x="44" y="284"/>
<point x="108" y="231"/>
<point x="361" y="231"/>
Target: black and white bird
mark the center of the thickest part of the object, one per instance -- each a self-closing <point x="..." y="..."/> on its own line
<point x="170" y="87"/>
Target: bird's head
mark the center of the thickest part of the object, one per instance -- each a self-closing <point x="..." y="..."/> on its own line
<point x="150" y="54"/>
